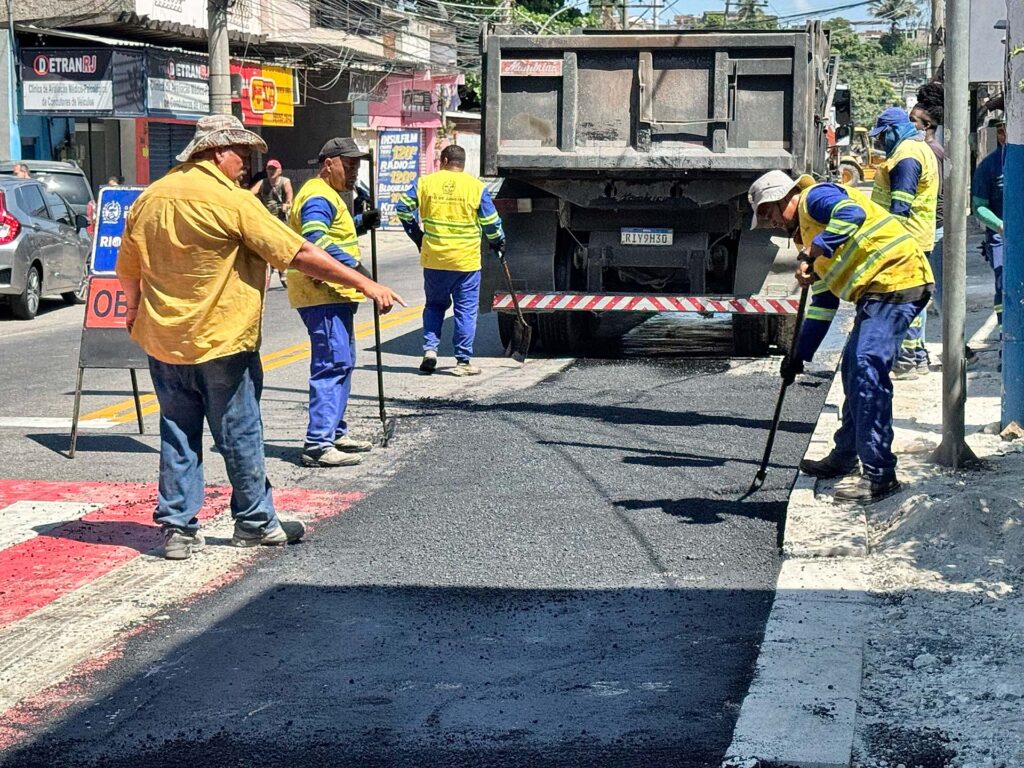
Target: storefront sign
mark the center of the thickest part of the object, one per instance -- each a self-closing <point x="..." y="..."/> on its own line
<point x="267" y="95"/>
<point x="100" y="82"/>
<point x="177" y="85"/>
<point x="398" y="166"/>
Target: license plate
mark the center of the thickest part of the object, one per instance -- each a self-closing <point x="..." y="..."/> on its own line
<point x="645" y="236"/>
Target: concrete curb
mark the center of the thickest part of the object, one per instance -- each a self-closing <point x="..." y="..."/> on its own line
<point x="801" y="707"/>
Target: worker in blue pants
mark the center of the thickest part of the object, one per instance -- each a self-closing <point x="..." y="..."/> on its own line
<point x="857" y="251"/>
<point x="987" y="204"/>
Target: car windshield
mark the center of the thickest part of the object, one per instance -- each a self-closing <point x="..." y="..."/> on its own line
<point x="71" y="186"/>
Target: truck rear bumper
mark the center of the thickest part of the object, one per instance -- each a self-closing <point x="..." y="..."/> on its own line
<point x="556" y="301"/>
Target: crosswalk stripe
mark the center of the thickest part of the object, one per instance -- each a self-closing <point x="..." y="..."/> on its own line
<point x="24" y="520"/>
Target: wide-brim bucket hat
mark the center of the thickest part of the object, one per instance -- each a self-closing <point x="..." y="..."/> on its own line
<point x="215" y="131"/>
<point x="769" y="188"/>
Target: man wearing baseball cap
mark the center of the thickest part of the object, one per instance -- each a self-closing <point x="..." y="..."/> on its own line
<point x="328" y="309"/>
<point x="851" y="249"/>
<point x="193" y="264"/>
<point x="907" y="185"/>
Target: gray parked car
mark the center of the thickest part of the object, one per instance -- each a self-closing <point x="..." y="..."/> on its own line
<point x="66" y="179"/>
<point x="44" y="247"/>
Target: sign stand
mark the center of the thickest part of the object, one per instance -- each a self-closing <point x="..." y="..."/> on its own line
<point x="106" y="343"/>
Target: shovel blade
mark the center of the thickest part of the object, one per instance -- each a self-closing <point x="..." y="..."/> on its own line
<point x="519" y="347"/>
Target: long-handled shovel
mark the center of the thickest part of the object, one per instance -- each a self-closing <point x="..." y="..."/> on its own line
<point x="762" y="472"/>
<point x="387" y="423"/>
<point x="519" y="345"/>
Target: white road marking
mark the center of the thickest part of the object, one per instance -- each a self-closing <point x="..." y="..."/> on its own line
<point x="43" y="422"/>
<point x="24" y="520"/>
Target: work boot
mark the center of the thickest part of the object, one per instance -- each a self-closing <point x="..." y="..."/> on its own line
<point x="827" y="467"/>
<point x="865" y="491"/>
<point x="179" y="545"/>
<point x="465" y="368"/>
<point x="429" y="362"/>
<point x="348" y="444"/>
<point x="904" y="371"/>
<point x="330" y="456"/>
<point x="970" y="356"/>
<point x="285" y="532"/>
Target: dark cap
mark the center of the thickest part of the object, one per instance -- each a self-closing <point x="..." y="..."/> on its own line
<point x="341" y="148"/>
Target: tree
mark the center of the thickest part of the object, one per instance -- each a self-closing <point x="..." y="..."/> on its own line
<point x="894" y="11"/>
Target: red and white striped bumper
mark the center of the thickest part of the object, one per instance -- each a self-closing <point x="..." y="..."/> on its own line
<point x="617" y="302"/>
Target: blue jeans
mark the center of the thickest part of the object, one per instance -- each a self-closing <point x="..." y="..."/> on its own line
<point x="871" y="349"/>
<point x="226" y="392"/>
<point x="332" y="358"/>
<point x="443" y="287"/>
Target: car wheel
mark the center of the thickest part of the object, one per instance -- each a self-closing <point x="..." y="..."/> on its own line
<point x="25" y="306"/>
<point x="79" y="295"/>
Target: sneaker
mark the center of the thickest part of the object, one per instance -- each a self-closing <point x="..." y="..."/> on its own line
<point x="429" y="362"/>
<point x="348" y="444"/>
<point x="864" y="491"/>
<point x="922" y="369"/>
<point x="970" y="356"/>
<point x="328" y="457"/>
<point x="285" y="532"/>
<point x="465" y="368"/>
<point x="904" y="371"/>
<point x="826" y="468"/>
<point x="179" y="545"/>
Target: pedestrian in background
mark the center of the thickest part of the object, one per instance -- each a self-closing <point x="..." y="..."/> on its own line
<point x="987" y="204"/>
<point x="192" y="264"/>
<point x="328" y="309"/>
<point x="907" y="185"/>
<point x="856" y="251"/>
<point x="21" y="171"/>
<point x="455" y="210"/>
<point x="275" y="192"/>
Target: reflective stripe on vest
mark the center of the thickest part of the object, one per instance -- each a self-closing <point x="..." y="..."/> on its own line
<point x="923" y="202"/>
<point x="448" y="205"/>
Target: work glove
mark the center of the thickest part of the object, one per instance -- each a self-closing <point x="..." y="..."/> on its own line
<point x="790" y="368"/>
<point x="367" y="220"/>
<point x="497" y="247"/>
<point x="417" y="238"/>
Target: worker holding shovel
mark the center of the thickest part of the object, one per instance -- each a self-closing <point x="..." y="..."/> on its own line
<point x="854" y="250"/>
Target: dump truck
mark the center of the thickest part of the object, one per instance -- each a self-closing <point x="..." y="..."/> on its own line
<point x="621" y="163"/>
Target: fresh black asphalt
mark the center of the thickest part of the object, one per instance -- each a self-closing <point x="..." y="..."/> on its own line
<point x="561" y="577"/>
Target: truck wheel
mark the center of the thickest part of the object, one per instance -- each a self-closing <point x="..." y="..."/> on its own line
<point x="849" y="174"/>
<point x="565" y="332"/>
<point x="750" y="335"/>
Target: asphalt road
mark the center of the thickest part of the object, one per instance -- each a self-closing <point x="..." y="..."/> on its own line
<point x="562" y="573"/>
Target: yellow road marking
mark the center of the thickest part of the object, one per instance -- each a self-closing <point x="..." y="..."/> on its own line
<point x="125" y="410"/>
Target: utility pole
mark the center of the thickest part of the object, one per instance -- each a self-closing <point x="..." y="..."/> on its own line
<point x="938" y="36"/>
<point x="953" y="451"/>
<point x="220" y="57"/>
<point x="1013" y="223"/>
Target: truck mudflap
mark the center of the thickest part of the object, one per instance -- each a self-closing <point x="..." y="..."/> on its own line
<point x="556" y="301"/>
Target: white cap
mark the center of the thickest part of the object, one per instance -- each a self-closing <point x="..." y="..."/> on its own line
<point x="769" y="188"/>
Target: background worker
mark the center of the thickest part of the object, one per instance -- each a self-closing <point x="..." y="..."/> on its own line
<point x="192" y="264"/>
<point x="987" y="204"/>
<point x="862" y="254"/>
<point x="454" y="209"/>
<point x="907" y="185"/>
<point x="274" y="190"/>
<point x="328" y="309"/>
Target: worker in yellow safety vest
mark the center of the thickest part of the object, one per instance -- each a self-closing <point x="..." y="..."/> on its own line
<point x="907" y="185"/>
<point x="455" y="212"/>
<point x="854" y="250"/>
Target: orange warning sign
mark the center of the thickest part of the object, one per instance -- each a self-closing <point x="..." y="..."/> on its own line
<point x="107" y="306"/>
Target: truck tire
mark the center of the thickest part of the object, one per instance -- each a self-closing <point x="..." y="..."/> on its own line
<point x="750" y="335"/>
<point x="849" y="174"/>
<point x="564" y="333"/>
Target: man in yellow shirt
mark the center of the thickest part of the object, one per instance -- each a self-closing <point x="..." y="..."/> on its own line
<point x="328" y="311"/>
<point x="455" y="212"/>
<point x="193" y="264"/>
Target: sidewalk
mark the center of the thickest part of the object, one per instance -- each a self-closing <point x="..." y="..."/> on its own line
<point x="897" y="633"/>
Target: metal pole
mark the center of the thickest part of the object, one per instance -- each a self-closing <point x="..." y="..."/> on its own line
<point x="1013" y="223"/>
<point x="953" y="451"/>
<point x="938" y="36"/>
<point x="88" y="128"/>
<point x="220" y="57"/>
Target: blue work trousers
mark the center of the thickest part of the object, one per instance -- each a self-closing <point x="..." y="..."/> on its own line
<point x="332" y="358"/>
<point x="444" y="287"/>
<point x="226" y="393"/>
<point x="913" y="350"/>
<point x="871" y="349"/>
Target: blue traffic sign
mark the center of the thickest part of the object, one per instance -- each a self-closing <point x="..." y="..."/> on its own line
<point x="111" y="212"/>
